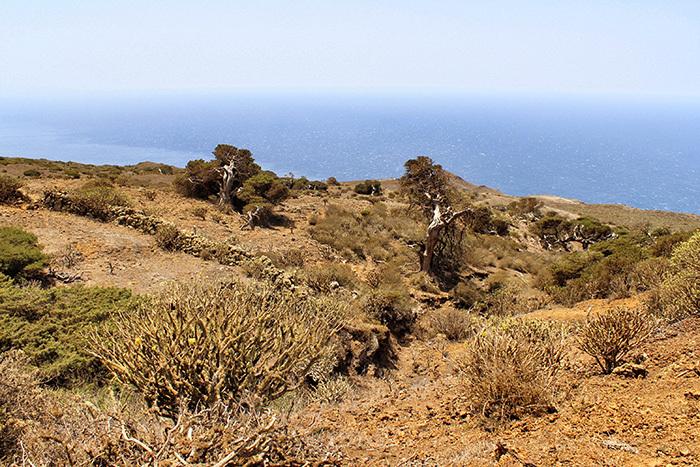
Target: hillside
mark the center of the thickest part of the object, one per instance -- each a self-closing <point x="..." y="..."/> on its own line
<point x="398" y="395"/>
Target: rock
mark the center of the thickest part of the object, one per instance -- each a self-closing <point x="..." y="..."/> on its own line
<point x="631" y="370"/>
<point x="334" y="285"/>
<point x="616" y="445"/>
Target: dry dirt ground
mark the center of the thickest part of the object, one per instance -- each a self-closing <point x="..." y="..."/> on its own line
<point x="418" y="416"/>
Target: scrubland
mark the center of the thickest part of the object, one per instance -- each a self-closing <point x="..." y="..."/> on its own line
<point x="145" y="322"/>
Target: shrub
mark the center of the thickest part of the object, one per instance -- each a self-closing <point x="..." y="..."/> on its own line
<point x="97" y="199"/>
<point x="287" y="258"/>
<point x="321" y="277"/>
<point x="20" y="253"/>
<point x="9" y="189"/>
<point x="526" y="207"/>
<point x="556" y="231"/>
<point x="199" y="345"/>
<point x="31" y="173"/>
<point x="609" y="337"/>
<point x="41" y="427"/>
<point x="332" y="181"/>
<point x="455" y="325"/>
<point x="511" y="368"/>
<point x="680" y="292"/>
<point x="48" y="325"/>
<point x="168" y="237"/>
<point x="368" y="187"/>
<point x="613" y="268"/>
<point x="392" y="308"/>
<point x="263" y="188"/>
<point x="200" y="212"/>
<point x="466" y="295"/>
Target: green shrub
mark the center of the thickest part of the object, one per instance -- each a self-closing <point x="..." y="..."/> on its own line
<point x="369" y="187"/>
<point x="680" y="292"/>
<point x="201" y="345"/>
<point x="9" y="189"/>
<point x="97" y="199"/>
<point x="511" y="368"/>
<point x="20" y="253"/>
<point x="48" y="325"/>
<point x="555" y="231"/>
<point x="616" y="268"/>
<point x="32" y="173"/>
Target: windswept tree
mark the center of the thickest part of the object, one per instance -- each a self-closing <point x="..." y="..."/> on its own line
<point x="220" y="177"/>
<point x="236" y="180"/>
<point x="428" y="190"/>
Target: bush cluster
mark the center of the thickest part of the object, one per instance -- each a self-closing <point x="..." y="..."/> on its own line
<point x="616" y="268"/>
<point x="369" y="187"/>
<point x="97" y="199"/>
<point x="370" y="233"/>
<point x="555" y="231"/>
<point x="454" y="324"/>
<point x="324" y="278"/>
<point x="48" y="325"/>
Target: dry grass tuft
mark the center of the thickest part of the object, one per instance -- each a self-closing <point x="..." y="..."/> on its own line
<point x="511" y="368"/>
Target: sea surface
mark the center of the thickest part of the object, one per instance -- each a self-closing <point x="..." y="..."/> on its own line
<point x="641" y="152"/>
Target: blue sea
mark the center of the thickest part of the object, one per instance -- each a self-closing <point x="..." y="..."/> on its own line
<point x="641" y="152"/>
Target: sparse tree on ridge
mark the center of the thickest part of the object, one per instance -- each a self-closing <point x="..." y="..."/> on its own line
<point x="427" y="187"/>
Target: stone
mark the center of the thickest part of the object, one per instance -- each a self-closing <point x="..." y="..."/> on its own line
<point x="631" y="370"/>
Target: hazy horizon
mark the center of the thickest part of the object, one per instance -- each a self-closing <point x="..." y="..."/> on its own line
<point x="605" y="48"/>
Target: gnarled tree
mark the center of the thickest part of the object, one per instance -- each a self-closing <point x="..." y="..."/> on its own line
<point x="428" y="189"/>
<point x="221" y="177"/>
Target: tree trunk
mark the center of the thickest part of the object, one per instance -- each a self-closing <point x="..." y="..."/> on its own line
<point x="228" y="172"/>
<point x="431" y="239"/>
<point x="441" y="219"/>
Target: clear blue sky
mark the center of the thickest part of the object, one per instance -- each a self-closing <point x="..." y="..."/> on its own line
<point x="557" y="46"/>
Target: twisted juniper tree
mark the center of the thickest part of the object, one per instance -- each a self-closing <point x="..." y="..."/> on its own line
<point x="428" y="190"/>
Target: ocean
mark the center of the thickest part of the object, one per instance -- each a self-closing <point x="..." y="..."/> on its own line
<point x="640" y="152"/>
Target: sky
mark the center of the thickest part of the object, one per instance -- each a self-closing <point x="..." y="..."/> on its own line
<point x="637" y="47"/>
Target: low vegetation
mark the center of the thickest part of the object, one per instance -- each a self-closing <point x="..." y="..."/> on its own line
<point x="198" y="346"/>
<point x="378" y="232"/>
<point x="10" y="189"/>
<point x="631" y="263"/>
<point x="680" y="291"/>
<point x="511" y="368"/>
<point x="21" y="256"/>
<point x="48" y="325"/>
<point x="203" y="372"/>
<point x="611" y="336"/>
